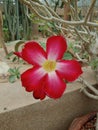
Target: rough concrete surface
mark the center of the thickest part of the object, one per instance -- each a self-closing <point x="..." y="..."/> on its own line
<point x="19" y="111"/>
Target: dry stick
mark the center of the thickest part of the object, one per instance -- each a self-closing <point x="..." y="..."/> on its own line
<point x="35" y="4"/>
<point x="76" y="9"/>
<point x="55" y="18"/>
<point x="73" y="23"/>
<point x="88" y="85"/>
<point x="46" y="2"/>
<point x="53" y="12"/>
<point x="89" y="94"/>
<point x="79" y="58"/>
<point x="86" y="29"/>
<point x="72" y="30"/>
<point x="37" y="13"/>
<point x="90" y="10"/>
<point x="80" y="36"/>
<point x="62" y="32"/>
<point x="68" y="29"/>
<point x="73" y="10"/>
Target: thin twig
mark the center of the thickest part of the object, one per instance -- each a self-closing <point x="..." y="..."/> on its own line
<point x="53" y="18"/>
<point x="88" y="85"/>
<point x="89" y="11"/>
<point x="81" y="37"/>
<point x="90" y="95"/>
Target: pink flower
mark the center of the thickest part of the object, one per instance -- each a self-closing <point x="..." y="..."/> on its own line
<point x="49" y="70"/>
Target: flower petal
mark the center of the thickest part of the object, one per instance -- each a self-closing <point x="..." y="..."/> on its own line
<point x="33" y="53"/>
<point x="39" y="93"/>
<point x="54" y="86"/>
<point x="56" y="46"/>
<point x="32" y="78"/>
<point x="69" y="69"/>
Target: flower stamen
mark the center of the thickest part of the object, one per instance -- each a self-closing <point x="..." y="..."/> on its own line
<point x="49" y="66"/>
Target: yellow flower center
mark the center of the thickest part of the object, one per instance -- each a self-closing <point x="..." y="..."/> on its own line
<point x="49" y="65"/>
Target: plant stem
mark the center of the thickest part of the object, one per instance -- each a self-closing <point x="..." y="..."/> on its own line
<point x="1" y="35"/>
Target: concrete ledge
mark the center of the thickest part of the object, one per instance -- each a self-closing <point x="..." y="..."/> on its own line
<point x="19" y="111"/>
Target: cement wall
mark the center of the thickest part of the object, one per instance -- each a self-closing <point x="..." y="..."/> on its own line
<point x="19" y="111"/>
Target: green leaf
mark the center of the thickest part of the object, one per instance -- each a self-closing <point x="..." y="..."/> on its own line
<point x="11" y="71"/>
<point x="43" y="44"/>
<point x="18" y="44"/>
<point x="9" y="55"/>
<point x="18" y="76"/>
<point x="94" y="64"/>
<point x="67" y="56"/>
<point x="12" y="78"/>
<point x="14" y="59"/>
